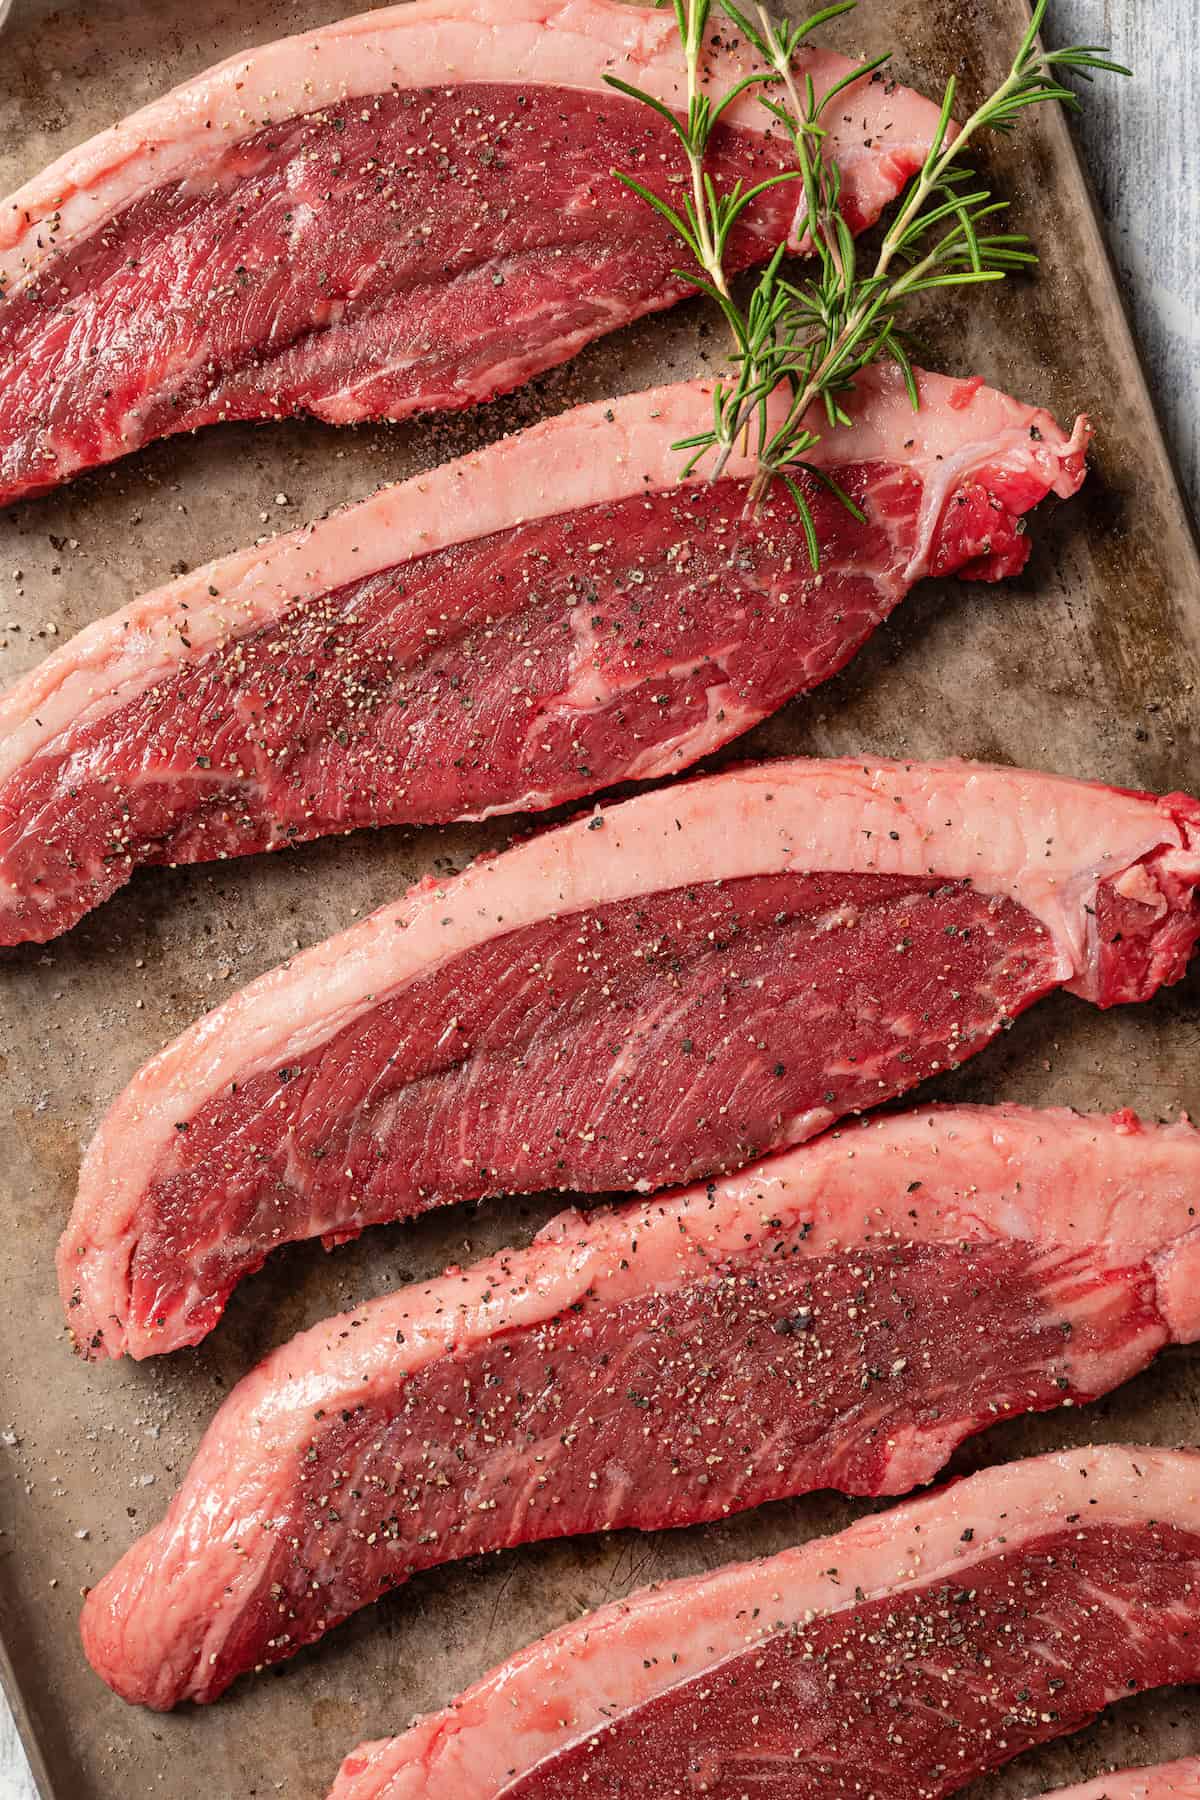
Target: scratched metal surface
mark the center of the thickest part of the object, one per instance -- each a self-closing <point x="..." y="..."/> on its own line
<point x="1087" y="665"/>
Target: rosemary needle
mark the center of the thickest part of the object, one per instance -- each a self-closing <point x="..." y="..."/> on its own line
<point x="813" y="336"/>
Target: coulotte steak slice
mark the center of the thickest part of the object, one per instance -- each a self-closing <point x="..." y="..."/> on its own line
<point x="900" y="1659"/>
<point x="656" y="993"/>
<point x="842" y="1315"/>
<point x="410" y="209"/>
<point x="512" y="630"/>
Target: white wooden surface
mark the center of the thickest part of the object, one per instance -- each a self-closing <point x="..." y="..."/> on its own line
<point x="16" y="1783"/>
<point x="1144" y="157"/>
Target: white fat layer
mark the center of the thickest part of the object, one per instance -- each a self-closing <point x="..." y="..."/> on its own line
<point x="573" y="44"/>
<point x="1114" y="1190"/>
<point x="593" y="455"/>
<point x="611" y="1660"/>
<point x="1043" y="841"/>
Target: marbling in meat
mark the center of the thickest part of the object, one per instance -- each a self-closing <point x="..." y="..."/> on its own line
<point x="515" y="629"/>
<point x="410" y="209"/>
<point x="842" y="1315"/>
<point x="660" y="992"/>
<point x="901" y="1659"/>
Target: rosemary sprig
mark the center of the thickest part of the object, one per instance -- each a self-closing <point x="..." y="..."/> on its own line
<point x="814" y="336"/>
<point x="708" y="216"/>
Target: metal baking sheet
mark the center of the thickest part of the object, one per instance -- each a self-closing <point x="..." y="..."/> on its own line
<point x="1087" y="665"/>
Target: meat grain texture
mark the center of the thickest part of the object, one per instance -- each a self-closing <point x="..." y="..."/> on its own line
<point x="411" y="209"/>
<point x="657" y="993"/>
<point x="518" y="628"/>
<point x="840" y="1316"/>
<point x="902" y="1658"/>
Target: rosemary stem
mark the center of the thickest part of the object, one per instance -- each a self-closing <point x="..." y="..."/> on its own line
<point x="710" y="257"/>
<point x="934" y="173"/>
<point x="929" y="181"/>
<point x="783" y="68"/>
<point x="807" y="339"/>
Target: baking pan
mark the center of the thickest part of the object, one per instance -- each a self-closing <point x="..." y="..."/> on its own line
<point x="1088" y="664"/>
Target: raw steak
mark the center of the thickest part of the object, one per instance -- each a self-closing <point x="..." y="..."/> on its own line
<point x="413" y="208"/>
<point x="661" y="991"/>
<point x="516" y="629"/>
<point x="842" y="1316"/>
<point x="898" y="1660"/>
<point x="1166" y="1781"/>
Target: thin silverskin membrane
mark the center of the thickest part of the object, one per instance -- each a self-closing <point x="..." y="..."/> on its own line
<point x="512" y="630"/>
<point x="876" y="1297"/>
<point x="902" y="1658"/>
<point x="406" y="210"/>
<point x="655" y="994"/>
